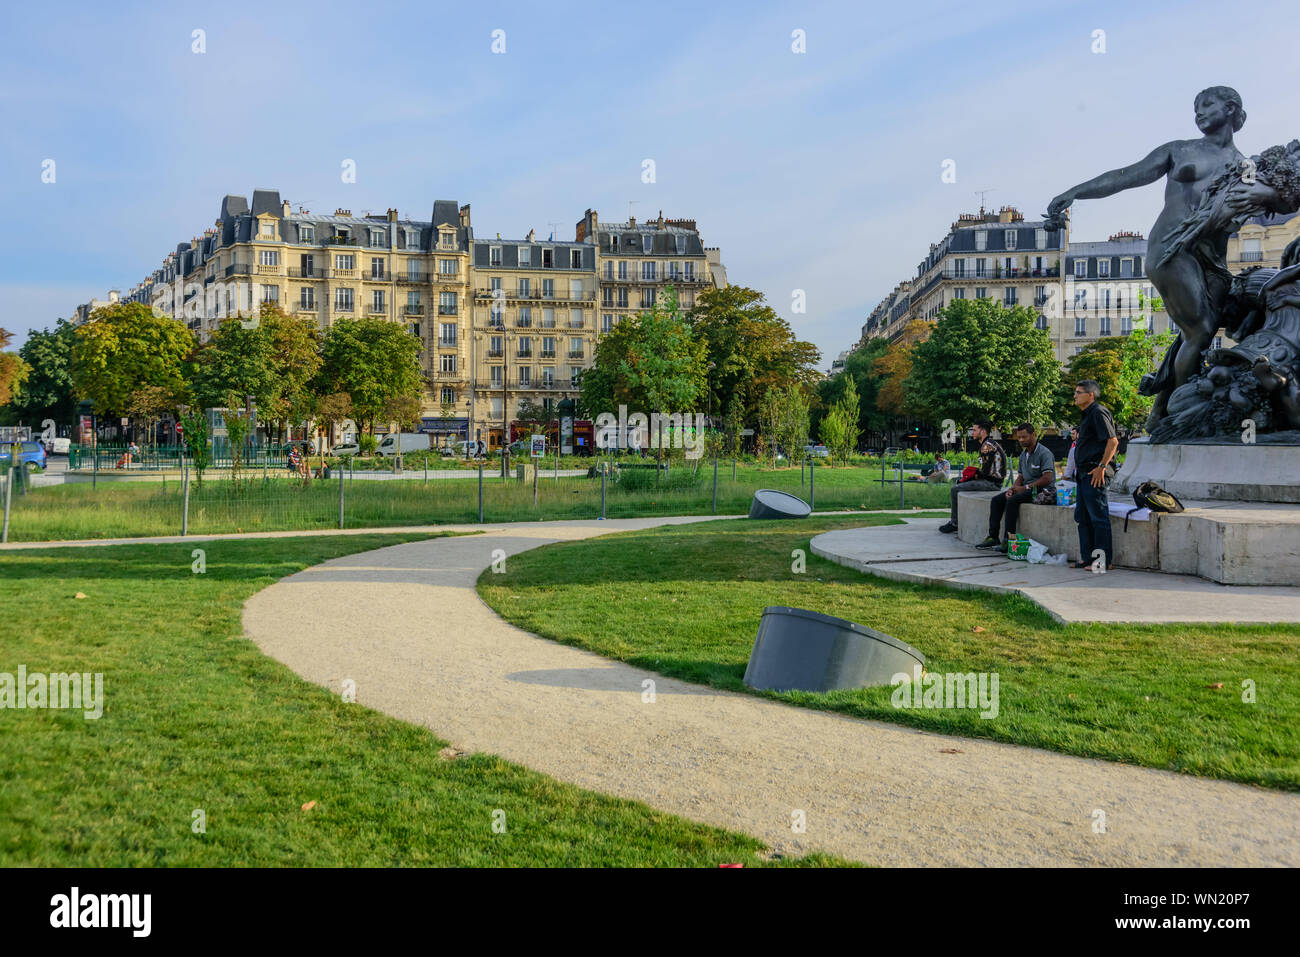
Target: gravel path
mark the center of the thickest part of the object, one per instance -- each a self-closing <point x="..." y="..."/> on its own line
<point x="406" y="625"/>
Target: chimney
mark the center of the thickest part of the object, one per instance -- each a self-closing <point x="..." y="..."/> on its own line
<point x="342" y="212"/>
<point x="392" y="215"/>
<point x="113" y="295"/>
<point x="530" y="235"/>
<point x="631" y="220"/>
<point x="464" y="215"/>
<point x="285" y="210"/>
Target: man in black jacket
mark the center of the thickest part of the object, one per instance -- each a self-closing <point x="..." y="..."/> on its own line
<point x="1094" y="451"/>
<point x="992" y="471"/>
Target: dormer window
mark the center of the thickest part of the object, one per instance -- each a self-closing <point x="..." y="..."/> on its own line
<point x="447" y="239"/>
<point x="268" y="229"/>
<point x="306" y="233"/>
<point x="647" y="243"/>
<point x="613" y="243"/>
<point x="376" y="238"/>
<point x="525" y="255"/>
<point x="1010" y="239"/>
<point x="494" y="254"/>
<point x="681" y="243"/>
<point x="412" y="239"/>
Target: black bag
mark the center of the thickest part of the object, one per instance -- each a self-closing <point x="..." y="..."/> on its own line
<point x="1152" y="496"/>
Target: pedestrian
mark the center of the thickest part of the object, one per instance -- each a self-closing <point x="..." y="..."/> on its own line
<point x="990" y="475"/>
<point x="1037" y="471"/>
<point x="1095" y="444"/>
<point x="942" y="469"/>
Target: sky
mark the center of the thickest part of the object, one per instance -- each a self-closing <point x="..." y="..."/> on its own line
<point x="818" y="171"/>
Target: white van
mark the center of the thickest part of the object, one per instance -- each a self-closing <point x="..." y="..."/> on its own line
<point x="399" y="442"/>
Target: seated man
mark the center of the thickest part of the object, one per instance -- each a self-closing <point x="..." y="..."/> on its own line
<point x="941" y="472"/>
<point x="1037" y="471"/>
<point x="990" y="475"/>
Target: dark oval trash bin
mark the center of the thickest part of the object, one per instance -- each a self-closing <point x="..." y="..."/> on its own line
<point x="800" y="650"/>
<point x="770" y="503"/>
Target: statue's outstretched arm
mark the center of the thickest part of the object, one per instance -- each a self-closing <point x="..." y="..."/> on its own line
<point x="1147" y="170"/>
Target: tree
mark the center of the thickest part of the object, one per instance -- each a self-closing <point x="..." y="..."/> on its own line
<point x="533" y="416"/>
<point x="735" y="424"/>
<point x="195" y="431"/>
<point x="769" y="421"/>
<point x="151" y="403"/>
<point x="751" y="348"/>
<point x="48" y="391"/>
<point x="294" y="359"/>
<point x="983" y="360"/>
<point x="333" y="409"/>
<point x="123" y="347"/>
<point x="13" y="371"/>
<point x="834" y="429"/>
<point x="235" y="361"/>
<point x="651" y="363"/>
<point x="863" y="366"/>
<point x="793" y="430"/>
<point x="373" y="361"/>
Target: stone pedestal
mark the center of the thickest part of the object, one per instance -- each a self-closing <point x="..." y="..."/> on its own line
<point x="1214" y="473"/>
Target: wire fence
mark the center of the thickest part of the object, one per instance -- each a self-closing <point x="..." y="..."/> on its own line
<point x="274" y="501"/>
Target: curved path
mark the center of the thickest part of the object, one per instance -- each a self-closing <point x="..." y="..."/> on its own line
<point x="406" y="625"/>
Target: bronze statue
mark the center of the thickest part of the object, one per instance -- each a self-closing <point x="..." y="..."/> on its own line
<point x="1210" y="190"/>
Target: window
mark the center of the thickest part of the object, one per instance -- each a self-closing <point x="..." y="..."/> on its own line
<point x="268" y="257"/>
<point x="413" y="270"/>
<point x="609" y="269"/>
<point x="1126" y="326"/>
<point x="525" y="319"/>
<point x="498" y="376"/>
<point x="270" y="294"/>
<point x="681" y="244"/>
<point x="524" y="288"/>
<point x="447" y="334"/>
<point x="494" y="283"/>
<point x="494" y="256"/>
<point x="576" y="291"/>
<point x="622" y="269"/>
<point x="548" y="379"/>
<point x="1251" y="251"/>
<point x="412" y="239"/>
<point x="377" y="268"/>
<point x="548" y="258"/>
<point x="607" y="296"/>
<point x="524" y="349"/>
<point x="1103" y="268"/>
<point x="447" y="239"/>
<point x="1009" y="296"/>
<point x="379" y="301"/>
<point x="525" y="377"/>
<point x="306" y="233"/>
<point x="607" y="322"/>
<point x="648" y="272"/>
<point x="575" y="348"/>
<point x="414" y="329"/>
<point x="376" y="238"/>
<point x="307" y="299"/>
<point x="343" y="300"/>
<point x="1040" y="239"/>
<point x="1080" y="326"/>
<point x="981" y="240"/>
<point x="548" y="288"/>
<point x="548" y="347"/>
<point x="647" y="298"/>
<point x="981" y="292"/>
<point x="548" y="318"/>
<point x="525" y="255"/>
<point x="959" y="293"/>
<point x="575" y="258"/>
<point x="412" y="301"/>
<point x="1081" y="300"/>
<point x="981" y="267"/>
<point x="1105" y="326"/>
<point x="268" y="230"/>
<point x="622" y="298"/>
<point x="447" y="267"/>
<point x="1009" y="266"/>
<point x="647" y="243"/>
<point x="447" y="363"/>
<point x="496" y="346"/>
<point x="1041" y="322"/>
<point x="1011" y="239"/>
<point x="345" y="262"/>
<point x="1081" y="269"/>
<point x="613" y="243"/>
<point x="575" y="374"/>
<point x="959" y="268"/>
<point x="449" y="395"/>
<point x="1218" y="342"/>
<point x="1126" y="269"/>
<point x="690" y="271"/>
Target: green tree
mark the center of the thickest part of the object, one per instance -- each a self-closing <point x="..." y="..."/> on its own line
<point x="751" y="348"/>
<point x="13" y="371"/>
<point x="195" y="431"/>
<point x="373" y="361"/>
<point x="123" y="347"/>
<point x="48" y="392"/>
<point x="769" y="421"/>
<point x="863" y="367"/>
<point x="735" y="424"/>
<point x="293" y="356"/>
<point x="235" y="361"/>
<point x="984" y="360"/>
<point x="833" y="430"/>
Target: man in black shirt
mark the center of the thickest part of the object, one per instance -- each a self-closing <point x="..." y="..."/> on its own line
<point x="1094" y="451"/>
<point x="990" y="476"/>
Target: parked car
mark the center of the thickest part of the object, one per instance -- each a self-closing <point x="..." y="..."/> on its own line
<point x="818" y="451"/>
<point x="347" y="448"/>
<point x="873" y="452"/>
<point x="395" y="443"/>
<point x="31" y="455"/>
<point x="892" y="450"/>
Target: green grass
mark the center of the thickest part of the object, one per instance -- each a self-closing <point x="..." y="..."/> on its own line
<point x="196" y="717"/>
<point x="137" y="509"/>
<point x="686" y="601"/>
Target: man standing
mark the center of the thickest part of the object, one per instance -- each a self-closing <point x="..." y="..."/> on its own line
<point x="1094" y="449"/>
<point x="991" y="474"/>
<point x="1037" y="471"/>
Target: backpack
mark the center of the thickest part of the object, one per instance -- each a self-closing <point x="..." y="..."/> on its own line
<point x="1152" y="496"/>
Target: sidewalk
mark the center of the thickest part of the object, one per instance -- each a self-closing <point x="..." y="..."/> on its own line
<point x="919" y="552"/>
<point x="870" y="791"/>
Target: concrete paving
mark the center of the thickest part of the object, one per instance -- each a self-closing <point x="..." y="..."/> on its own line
<point x="919" y="552"/>
<point x="406" y="625"/>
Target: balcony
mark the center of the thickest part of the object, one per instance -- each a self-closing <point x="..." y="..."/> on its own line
<point x="575" y="355"/>
<point x="263" y="270"/>
<point x="453" y="276"/>
<point x="239" y="269"/>
<point x="343" y="274"/>
<point x="416" y="310"/>
<point x="343" y="307"/>
<point x="577" y="325"/>
<point x="341" y="241"/>
<point x="524" y="354"/>
<point x="447" y="343"/>
<point x="1252" y="257"/>
<point x="540" y="295"/>
<point x="311" y="272"/>
<point x="547" y="354"/>
<point x="444" y="310"/>
<point x="523" y="323"/>
<point x="373" y="277"/>
<point x="375" y="310"/>
<point x="495" y="353"/>
<point x="547" y="324"/>
<point x="412" y="279"/>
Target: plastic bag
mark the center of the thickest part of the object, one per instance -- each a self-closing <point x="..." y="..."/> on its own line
<point x="1066" y="493"/>
<point x="1037" y="554"/>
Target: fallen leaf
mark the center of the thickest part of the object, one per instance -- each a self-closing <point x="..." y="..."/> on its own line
<point x="80" y="594"/>
<point x="977" y="629"/>
<point x="1216" y="685"/>
<point x="309" y="805"/>
<point x="951" y="751"/>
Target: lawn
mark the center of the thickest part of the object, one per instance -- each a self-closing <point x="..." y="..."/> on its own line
<point x="137" y="509"/>
<point x="686" y="601"/>
<point x="196" y="718"/>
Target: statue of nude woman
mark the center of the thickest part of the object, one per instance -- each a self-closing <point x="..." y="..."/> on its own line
<point x="1193" y="282"/>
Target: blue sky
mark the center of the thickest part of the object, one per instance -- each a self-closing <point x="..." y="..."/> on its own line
<point x="818" y="171"/>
